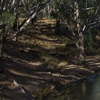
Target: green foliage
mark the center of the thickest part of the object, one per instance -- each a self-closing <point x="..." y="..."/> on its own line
<point x="91" y="2"/>
<point x="64" y="1"/>
<point x="87" y="11"/>
<point x="56" y="3"/>
<point x="8" y="19"/>
<point x="52" y="14"/>
<point x="89" y="38"/>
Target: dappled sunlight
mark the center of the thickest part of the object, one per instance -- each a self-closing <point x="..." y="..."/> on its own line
<point x="40" y="61"/>
<point x="98" y="64"/>
<point x="47" y="21"/>
<point x="62" y="64"/>
<point x="21" y="74"/>
<point x="35" y="63"/>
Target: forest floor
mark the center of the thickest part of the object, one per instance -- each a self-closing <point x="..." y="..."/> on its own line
<point x="40" y="64"/>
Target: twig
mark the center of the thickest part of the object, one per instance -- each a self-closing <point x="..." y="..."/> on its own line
<point x="22" y="89"/>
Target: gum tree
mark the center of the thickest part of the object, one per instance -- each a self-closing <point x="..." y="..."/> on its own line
<point x="10" y="11"/>
<point x="79" y="16"/>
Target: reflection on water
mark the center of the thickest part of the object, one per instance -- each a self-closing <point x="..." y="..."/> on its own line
<point x="88" y="90"/>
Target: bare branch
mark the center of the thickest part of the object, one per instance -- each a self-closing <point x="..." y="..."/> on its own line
<point x="26" y="22"/>
<point x="69" y="27"/>
<point x="4" y="4"/>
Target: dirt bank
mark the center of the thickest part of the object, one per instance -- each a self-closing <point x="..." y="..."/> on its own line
<point x="38" y="64"/>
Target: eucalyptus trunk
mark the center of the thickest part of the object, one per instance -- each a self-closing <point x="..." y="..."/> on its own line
<point x="80" y="37"/>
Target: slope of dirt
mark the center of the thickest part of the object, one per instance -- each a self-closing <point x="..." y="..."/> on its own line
<point x="40" y="64"/>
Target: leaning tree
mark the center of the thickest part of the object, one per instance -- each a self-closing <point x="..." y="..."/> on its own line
<point x="10" y="11"/>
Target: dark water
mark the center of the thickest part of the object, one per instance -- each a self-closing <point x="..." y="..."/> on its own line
<point x="87" y="90"/>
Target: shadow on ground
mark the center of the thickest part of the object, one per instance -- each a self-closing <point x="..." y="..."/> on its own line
<point x="40" y="64"/>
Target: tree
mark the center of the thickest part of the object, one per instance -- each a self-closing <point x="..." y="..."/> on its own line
<point x="10" y="11"/>
<point x="3" y="28"/>
<point x="79" y="16"/>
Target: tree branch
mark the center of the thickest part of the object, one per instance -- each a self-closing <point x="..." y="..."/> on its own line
<point x="26" y="21"/>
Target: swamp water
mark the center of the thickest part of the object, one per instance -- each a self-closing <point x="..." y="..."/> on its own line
<point x="86" y="90"/>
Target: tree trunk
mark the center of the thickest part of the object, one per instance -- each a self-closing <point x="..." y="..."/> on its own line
<point x="57" y="27"/>
<point x="1" y="47"/>
<point x="80" y="37"/>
